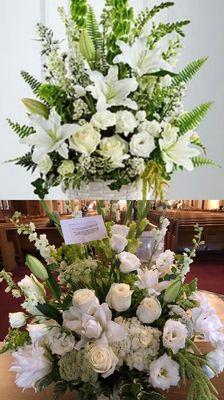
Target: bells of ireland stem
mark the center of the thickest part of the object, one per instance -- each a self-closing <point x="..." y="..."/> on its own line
<point x="36" y="107"/>
<point x="173" y="290"/>
<point x="86" y="46"/>
<point x="37" y="268"/>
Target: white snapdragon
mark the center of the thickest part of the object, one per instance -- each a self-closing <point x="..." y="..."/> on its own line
<point x="118" y="243"/>
<point x="102" y="360"/>
<point x="164" y="373"/>
<point x="129" y="262"/>
<point x="142" y="144"/>
<point x="174" y="335"/>
<point x="115" y="149"/>
<point x="149" y="310"/>
<point x="103" y="120"/>
<point x="17" y="320"/>
<point x="119" y="297"/>
<point x="215" y="363"/>
<point x="121" y="230"/>
<point x="153" y="128"/>
<point x="125" y="122"/>
<point x="85" y="140"/>
<point x="165" y="261"/>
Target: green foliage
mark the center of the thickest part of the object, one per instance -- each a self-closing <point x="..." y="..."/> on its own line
<point x="26" y="162"/>
<point x="93" y="30"/>
<point x="144" y="16"/>
<point x="202" y="161"/>
<point x="45" y="382"/>
<point x="60" y="389"/>
<point x="56" y="97"/>
<point x="53" y="216"/>
<point x="79" y="10"/>
<point x="31" y="81"/>
<point x="162" y="30"/>
<point x="41" y="187"/>
<point x="190" y="121"/>
<point x="14" y="340"/>
<point x="189" y="71"/>
<point x="21" y="130"/>
<point x="50" y="312"/>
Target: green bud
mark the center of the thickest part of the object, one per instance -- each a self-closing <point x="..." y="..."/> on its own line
<point x="86" y="46"/>
<point x="36" y="107"/>
<point x="36" y="267"/>
<point x="173" y="290"/>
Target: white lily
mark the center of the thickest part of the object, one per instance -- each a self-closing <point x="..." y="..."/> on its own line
<point x="109" y="91"/>
<point x="140" y="58"/>
<point x="149" y="279"/>
<point x="50" y="136"/>
<point x="176" y="150"/>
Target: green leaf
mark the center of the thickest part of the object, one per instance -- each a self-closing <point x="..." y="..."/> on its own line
<point x="93" y="30"/>
<point x="79" y="11"/>
<point x="203" y="161"/>
<point x="59" y="389"/>
<point x="45" y="382"/>
<point x="53" y="217"/>
<point x="41" y="188"/>
<point x="189" y="71"/>
<point x="50" y="312"/>
<point x="31" y="81"/>
<point x="53" y="286"/>
<point x="192" y="119"/>
<point x="144" y="16"/>
<point x="22" y="130"/>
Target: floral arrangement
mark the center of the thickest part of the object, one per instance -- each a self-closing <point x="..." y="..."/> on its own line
<point x="111" y="106"/>
<point x="97" y="321"/>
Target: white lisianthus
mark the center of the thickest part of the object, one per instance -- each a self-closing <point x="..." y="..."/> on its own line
<point x="103" y="120"/>
<point x="115" y="149"/>
<point x="164" y="373"/>
<point x="85" y="140"/>
<point x="215" y="363"/>
<point x="45" y="164"/>
<point x="153" y="128"/>
<point x="149" y="279"/>
<point x="142" y="145"/>
<point x="66" y="167"/>
<point x="103" y="360"/>
<point x="60" y="342"/>
<point x="165" y="261"/>
<point x="129" y="262"/>
<point x="141" y="116"/>
<point x="125" y="122"/>
<point x="206" y="322"/>
<point x="85" y="300"/>
<point x="174" y="335"/>
<point x="121" y="230"/>
<point x="175" y="149"/>
<point x="118" y="243"/>
<point x="17" y="320"/>
<point x="149" y="310"/>
<point x="119" y="297"/>
<point x="30" y="364"/>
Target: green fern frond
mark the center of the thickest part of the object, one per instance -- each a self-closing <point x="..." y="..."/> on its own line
<point x="197" y="142"/>
<point x="21" y="130"/>
<point x="25" y="162"/>
<point x="145" y="16"/>
<point x="192" y="119"/>
<point x="160" y="31"/>
<point x="93" y="29"/>
<point x="31" y="81"/>
<point x="203" y="161"/>
<point x="79" y="10"/>
<point x="189" y="71"/>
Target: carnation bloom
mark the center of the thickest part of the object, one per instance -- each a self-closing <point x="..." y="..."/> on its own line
<point x="142" y="144"/>
<point x="164" y="373"/>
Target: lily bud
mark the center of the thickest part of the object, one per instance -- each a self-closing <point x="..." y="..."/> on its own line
<point x="173" y="290"/>
<point x="36" y="107"/>
<point x="36" y="267"/>
<point x="86" y="46"/>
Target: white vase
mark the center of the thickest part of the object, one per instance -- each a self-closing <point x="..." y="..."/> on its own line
<point x="99" y="190"/>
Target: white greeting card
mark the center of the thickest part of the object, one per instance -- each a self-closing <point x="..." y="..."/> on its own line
<point x="83" y="230"/>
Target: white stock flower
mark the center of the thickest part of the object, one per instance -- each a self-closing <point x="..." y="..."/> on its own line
<point x="30" y="364"/>
<point x="34" y="293"/>
<point x="119" y="297"/>
<point x="149" y="310"/>
<point x="103" y="360"/>
<point x="115" y="149"/>
<point x="17" y="320"/>
<point x="142" y="145"/>
<point x="129" y="262"/>
<point x="125" y="122"/>
<point x="66" y="167"/>
<point x="59" y="342"/>
<point x="165" y="261"/>
<point x="140" y="58"/>
<point x="153" y="128"/>
<point x="207" y="323"/>
<point x="176" y="149"/>
<point x="103" y="120"/>
<point x="45" y="164"/>
<point x="164" y="373"/>
<point x="121" y="230"/>
<point x="85" y="140"/>
<point x="149" y="279"/>
<point x="109" y="91"/>
<point x="118" y="243"/>
<point x="50" y="136"/>
<point x="174" y="335"/>
<point x="215" y="363"/>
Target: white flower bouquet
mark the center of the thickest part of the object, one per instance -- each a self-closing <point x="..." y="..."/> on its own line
<point x="110" y="108"/>
<point x="97" y="321"/>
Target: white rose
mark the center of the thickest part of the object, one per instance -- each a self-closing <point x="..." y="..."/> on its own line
<point x="119" y="297"/>
<point x="91" y="328"/>
<point x="45" y="164"/>
<point x="85" y="140"/>
<point x="141" y="116"/>
<point x="152" y="127"/>
<point x="216" y="362"/>
<point x="129" y="262"/>
<point x="120" y="230"/>
<point x="164" y="373"/>
<point x="66" y="167"/>
<point x="103" y="120"/>
<point x="103" y="360"/>
<point x="149" y="310"/>
<point x="174" y="335"/>
<point x="142" y="145"/>
<point x="126" y="122"/>
<point x="60" y="342"/>
<point x="30" y="364"/>
<point x="114" y="148"/>
<point x="85" y="300"/>
<point x="165" y="261"/>
<point x="17" y="320"/>
<point x="118" y="243"/>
